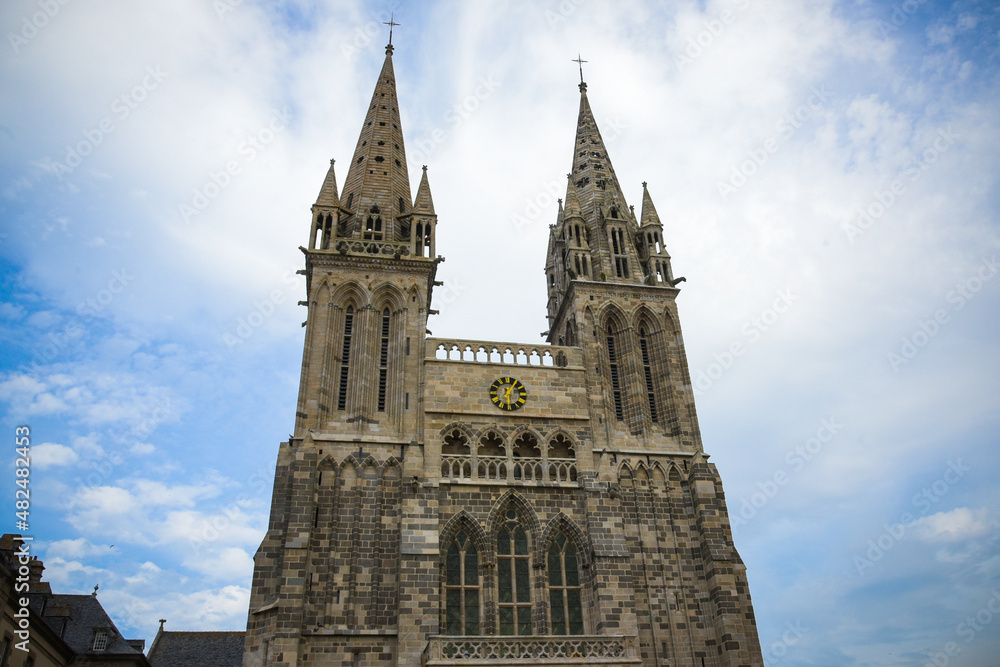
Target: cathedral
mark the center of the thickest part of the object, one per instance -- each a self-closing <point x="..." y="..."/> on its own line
<point x="448" y="502"/>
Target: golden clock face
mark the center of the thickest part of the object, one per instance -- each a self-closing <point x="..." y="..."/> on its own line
<point x="508" y="393"/>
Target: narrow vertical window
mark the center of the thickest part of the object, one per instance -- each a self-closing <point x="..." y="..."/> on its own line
<point x="564" y="588"/>
<point x="616" y="390"/>
<point x="462" y="587"/>
<point x="383" y="362"/>
<point x="648" y="373"/>
<point x="513" y="578"/>
<point x="345" y="358"/>
<point x="618" y="252"/>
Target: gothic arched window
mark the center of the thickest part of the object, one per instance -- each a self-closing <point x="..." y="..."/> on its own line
<point x="564" y="588"/>
<point x="373" y="225"/>
<point x="513" y="578"/>
<point x="462" y="587"/>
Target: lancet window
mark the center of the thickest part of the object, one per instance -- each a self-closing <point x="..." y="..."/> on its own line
<point x="513" y="578"/>
<point x="565" y="591"/>
<point x="462" y="586"/>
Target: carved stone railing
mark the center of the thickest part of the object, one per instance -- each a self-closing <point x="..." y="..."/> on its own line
<point x="380" y="248"/>
<point x="462" y="467"/>
<point x="490" y="352"/>
<point x="548" y="650"/>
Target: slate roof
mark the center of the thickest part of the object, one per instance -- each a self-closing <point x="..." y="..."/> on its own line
<point x="85" y="614"/>
<point x="197" y="649"/>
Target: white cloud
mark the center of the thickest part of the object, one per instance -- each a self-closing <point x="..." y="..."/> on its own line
<point x="958" y="524"/>
<point x="51" y="454"/>
<point x="73" y="549"/>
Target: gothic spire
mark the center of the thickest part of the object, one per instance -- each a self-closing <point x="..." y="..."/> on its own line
<point x="593" y="174"/>
<point x="424" y="203"/>
<point x="648" y="215"/>
<point x="328" y="193"/>
<point x="377" y="176"/>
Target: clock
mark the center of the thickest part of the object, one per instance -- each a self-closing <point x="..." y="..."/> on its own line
<point x="507" y="393"/>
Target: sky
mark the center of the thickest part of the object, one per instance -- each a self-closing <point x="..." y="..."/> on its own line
<point x="826" y="176"/>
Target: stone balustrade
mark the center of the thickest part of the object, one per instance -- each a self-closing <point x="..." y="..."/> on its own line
<point x="493" y="352"/>
<point x="379" y="248"/>
<point x="460" y="467"/>
<point x="567" y="651"/>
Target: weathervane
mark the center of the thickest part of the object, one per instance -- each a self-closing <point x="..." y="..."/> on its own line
<point x="579" y="61"/>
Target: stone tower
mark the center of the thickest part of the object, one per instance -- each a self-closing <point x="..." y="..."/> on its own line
<point x="449" y="502"/>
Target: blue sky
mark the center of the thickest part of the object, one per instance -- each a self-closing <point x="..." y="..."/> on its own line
<point x="826" y="174"/>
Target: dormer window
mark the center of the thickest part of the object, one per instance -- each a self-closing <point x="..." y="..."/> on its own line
<point x="101" y="640"/>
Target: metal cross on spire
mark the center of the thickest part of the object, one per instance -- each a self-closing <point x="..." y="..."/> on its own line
<point x="391" y="23"/>
<point x="579" y="61"/>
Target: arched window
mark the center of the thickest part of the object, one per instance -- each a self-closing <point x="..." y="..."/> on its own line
<point x="564" y="588"/>
<point x="462" y="587"/>
<point x="345" y="358"/>
<point x="647" y="373"/>
<point x="383" y="363"/>
<point x="373" y="225"/>
<point x="513" y="578"/>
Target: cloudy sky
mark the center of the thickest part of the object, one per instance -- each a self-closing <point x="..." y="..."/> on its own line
<point x="826" y="173"/>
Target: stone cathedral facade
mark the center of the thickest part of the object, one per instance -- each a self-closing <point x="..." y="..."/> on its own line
<point x="465" y="502"/>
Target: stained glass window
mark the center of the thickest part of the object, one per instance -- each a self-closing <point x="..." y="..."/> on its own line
<point x="564" y="588"/>
<point x="461" y="587"/>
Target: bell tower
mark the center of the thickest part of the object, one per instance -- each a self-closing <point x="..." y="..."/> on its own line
<point x="330" y="561"/>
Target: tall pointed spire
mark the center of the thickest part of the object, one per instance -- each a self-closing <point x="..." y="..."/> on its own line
<point x="593" y="174"/>
<point x="328" y="193"/>
<point x="424" y="202"/>
<point x="648" y="215"/>
<point x="378" y="182"/>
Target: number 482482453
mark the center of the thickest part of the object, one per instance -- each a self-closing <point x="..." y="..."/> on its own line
<point x="22" y="438"/>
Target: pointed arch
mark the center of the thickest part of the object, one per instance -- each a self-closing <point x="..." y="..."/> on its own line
<point x="350" y="293"/>
<point x="388" y="295"/>
<point x="466" y="430"/>
<point x="562" y="523"/>
<point x="515" y="501"/>
<point x="465" y="521"/>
